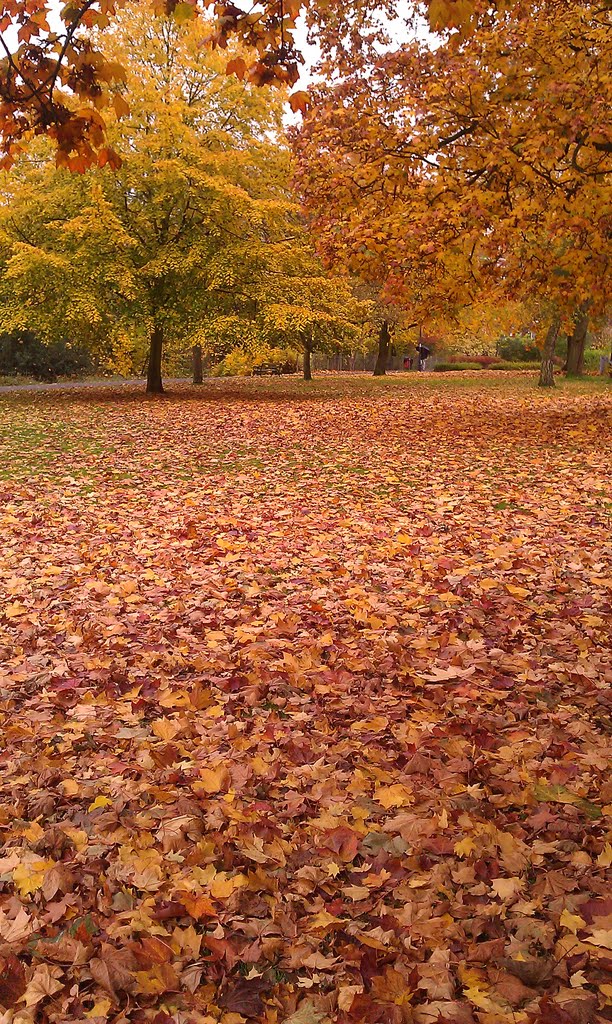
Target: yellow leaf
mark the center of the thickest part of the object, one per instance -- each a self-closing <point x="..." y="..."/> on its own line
<point x="506" y="888"/>
<point x="165" y="728"/>
<point x="464" y="847"/>
<point x="369" y="940"/>
<point x="571" y="921"/>
<point x="100" y="1009"/>
<point x="215" y="636"/>
<point x="299" y="101"/>
<point x="213" y="780"/>
<point x="259" y="766"/>
<point x="323" y="920"/>
<point x="216" y="711"/>
<point x="12" y="611"/>
<point x="33" y="832"/>
<point x="370" y="725"/>
<point x="120" y="105"/>
<point x="29" y="877"/>
<point x="100" y="801"/>
<point x="480" y="999"/>
<point x="605" y="857"/>
<point x="516" y="591"/>
<point x="393" y="796"/>
<point x="223" y="885"/>
<point x="346" y="995"/>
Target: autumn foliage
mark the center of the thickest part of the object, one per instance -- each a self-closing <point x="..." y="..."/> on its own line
<point x="57" y="79"/>
<point x="475" y="168"/>
<point x="305" y="705"/>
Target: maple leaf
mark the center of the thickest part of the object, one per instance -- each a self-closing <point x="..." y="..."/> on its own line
<point x="17" y="928"/>
<point x="44" y="982"/>
<point x="244" y="996"/>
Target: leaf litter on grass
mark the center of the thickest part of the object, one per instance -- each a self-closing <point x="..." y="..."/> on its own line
<point x="306" y="713"/>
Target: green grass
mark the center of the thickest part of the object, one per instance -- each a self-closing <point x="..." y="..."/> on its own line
<point x="63" y="436"/>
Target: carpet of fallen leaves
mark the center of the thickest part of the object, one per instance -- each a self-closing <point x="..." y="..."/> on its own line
<point x="305" y="700"/>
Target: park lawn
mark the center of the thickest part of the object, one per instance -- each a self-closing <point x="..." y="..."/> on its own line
<point x="305" y="702"/>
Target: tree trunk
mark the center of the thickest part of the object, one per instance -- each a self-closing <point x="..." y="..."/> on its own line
<point x="575" y="344"/>
<point x="154" y="374"/>
<point x="197" y="365"/>
<point x="384" y="339"/>
<point x="307" y="368"/>
<point x="547" y="368"/>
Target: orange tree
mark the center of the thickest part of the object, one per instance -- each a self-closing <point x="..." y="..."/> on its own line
<point x="479" y="167"/>
<point x="56" y="79"/>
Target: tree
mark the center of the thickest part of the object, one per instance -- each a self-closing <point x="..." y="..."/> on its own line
<point x="576" y="340"/>
<point x="150" y="248"/>
<point x="482" y="165"/>
<point x="384" y="319"/>
<point x="285" y="300"/>
<point x="58" y="80"/>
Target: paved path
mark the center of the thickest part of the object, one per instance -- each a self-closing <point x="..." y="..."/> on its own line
<point x="79" y="385"/>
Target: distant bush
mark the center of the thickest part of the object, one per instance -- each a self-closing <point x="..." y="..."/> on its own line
<point x="22" y="354"/>
<point x="519" y="348"/>
<point x="236" y="364"/>
<point x="483" y="361"/>
<point x="240" y="363"/>
<point x="592" y="357"/>
<point x="449" y="367"/>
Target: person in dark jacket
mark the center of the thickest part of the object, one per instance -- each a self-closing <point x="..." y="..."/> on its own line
<point x="424" y="354"/>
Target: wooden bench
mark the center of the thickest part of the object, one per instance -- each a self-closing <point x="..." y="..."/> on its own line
<point x="263" y="369"/>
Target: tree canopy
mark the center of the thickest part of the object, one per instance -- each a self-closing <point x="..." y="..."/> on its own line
<point x="479" y="167"/>
<point x="143" y="250"/>
<point x="195" y="237"/>
<point x="56" y="77"/>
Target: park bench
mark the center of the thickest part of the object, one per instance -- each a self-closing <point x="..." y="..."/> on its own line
<point x="262" y="369"/>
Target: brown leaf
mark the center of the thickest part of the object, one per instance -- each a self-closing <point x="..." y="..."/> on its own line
<point x="243" y="996"/>
<point x="12" y="981"/>
<point x="533" y="973"/>
<point x="44" y="982"/>
<point x="112" y="970"/>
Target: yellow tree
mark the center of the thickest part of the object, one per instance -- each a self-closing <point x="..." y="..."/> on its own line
<point x="283" y="298"/>
<point x="147" y="249"/>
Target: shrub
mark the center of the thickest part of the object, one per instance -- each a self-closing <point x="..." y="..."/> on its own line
<point x="240" y="362"/>
<point x="22" y="354"/>
<point x="448" y="367"/>
<point x="519" y="348"/>
<point x="235" y="364"/>
<point x="592" y="357"/>
<point x="483" y="361"/>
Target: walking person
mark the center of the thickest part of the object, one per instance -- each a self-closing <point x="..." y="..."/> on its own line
<point x="424" y="354"/>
